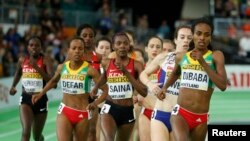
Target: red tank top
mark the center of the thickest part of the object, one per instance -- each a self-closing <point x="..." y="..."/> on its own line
<point x="118" y="83"/>
<point x="129" y="67"/>
<point x="32" y="80"/>
<point x="95" y="63"/>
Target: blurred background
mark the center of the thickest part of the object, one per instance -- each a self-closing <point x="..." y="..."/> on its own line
<point x="55" y="21"/>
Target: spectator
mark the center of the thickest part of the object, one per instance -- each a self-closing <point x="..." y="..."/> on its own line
<point x="57" y="20"/>
<point x="61" y="55"/>
<point x="163" y="30"/>
<point x="105" y="21"/>
<point x="123" y="21"/>
<point x="168" y="45"/>
<point x="219" y="8"/>
<point x="49" y="56"/>
<point x="142" y="28"/>
<point x="46" y="22"/>
<point x="244" y="44"/>
<point x="13" y="38"/>
<point x="9" y="64"/>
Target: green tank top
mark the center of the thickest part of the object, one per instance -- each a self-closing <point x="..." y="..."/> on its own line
<point x="75" y="81"/>
<point x="193" y="75"/>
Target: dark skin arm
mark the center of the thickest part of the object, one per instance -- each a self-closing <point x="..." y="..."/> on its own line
<point x="139" y="87"/>
<point x="219" y="76"/>
<point x="46" y="76"/>
<point x="17" y="76"/>
<point x="102" y="80"/>
<point x="49" y="68"/>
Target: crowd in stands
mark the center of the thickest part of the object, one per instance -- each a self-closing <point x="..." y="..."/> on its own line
<point x="49" y="24"/>
<point x="236" y="39"/>
<point x="232" y="8"/>
<point x="48" y="27"/>
<point x="51" y="28"/>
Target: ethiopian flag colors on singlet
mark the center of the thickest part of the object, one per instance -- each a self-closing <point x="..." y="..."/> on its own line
<point x="75" y="81"/>
<point x="193" y="75"/>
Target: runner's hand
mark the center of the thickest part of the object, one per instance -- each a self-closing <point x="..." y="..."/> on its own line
<point x="92" y="106"/>
<point x="161" y="94"/>
<point x="13" y="91"/>
<point x="36" y="97"/>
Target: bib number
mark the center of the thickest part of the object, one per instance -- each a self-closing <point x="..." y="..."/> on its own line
<point x="60" y="108"/>
<point x="175" y="110"/>
<point x="105" y="109"/>
<point x="154" y="114"/>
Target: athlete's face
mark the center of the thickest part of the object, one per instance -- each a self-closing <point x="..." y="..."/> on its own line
<point x="154" y="48"/>
<point x="103" y="48"/>
<point x="183" y="39"/>
<point x="121" y="45"/>
<point x="34" y="47"/>
<point x="202" y="36"/>
<point x="168" y="47"/>
<point x="88" y="36"/>
<point x="76" y="50"/>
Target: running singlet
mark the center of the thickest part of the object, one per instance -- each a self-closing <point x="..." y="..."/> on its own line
<point x="166" y="69"/>
<point x="119" y="85"/>
<point x="132" y="55"/>
<point x="32" y="80"/>
<point x="75" y="81"/>
<point x="193" y="75"/>
<point x="94" y="62"/>
<point x="154" y="78"/>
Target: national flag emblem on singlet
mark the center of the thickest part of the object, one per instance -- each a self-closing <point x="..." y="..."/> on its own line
<point x="193" y="75"/>
<point x="75" y="81"/>
<point x="118" y="83"/>
<point x="32" y="80"/>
